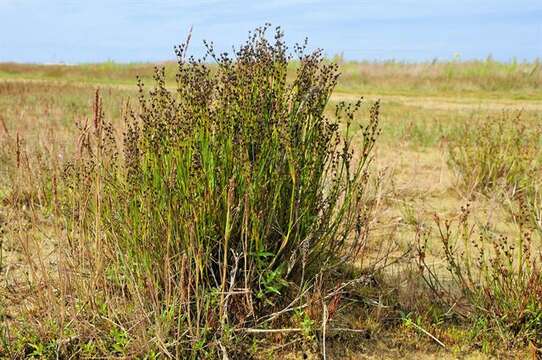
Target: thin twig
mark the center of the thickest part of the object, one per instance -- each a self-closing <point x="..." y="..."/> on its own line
<point x="269" y="331"/>
<point x="428" y="334"/>
<point x="324" y="324"/>
<point x="290" y="330"/>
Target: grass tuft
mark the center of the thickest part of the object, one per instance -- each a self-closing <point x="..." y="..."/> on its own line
<point x="219" y="208"/>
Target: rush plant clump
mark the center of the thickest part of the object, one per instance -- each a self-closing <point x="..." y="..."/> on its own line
<point x="226" y="198"/>
<point x="494" y="279"/>
<point x="502" y="152"/>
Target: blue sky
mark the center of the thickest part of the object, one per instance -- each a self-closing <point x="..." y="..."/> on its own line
<point x="136" y="30"/>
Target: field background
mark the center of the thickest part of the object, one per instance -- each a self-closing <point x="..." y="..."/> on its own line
<point x="424" y="105"/>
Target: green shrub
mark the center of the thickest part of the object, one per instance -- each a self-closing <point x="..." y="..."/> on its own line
<point x="228" y="194"/>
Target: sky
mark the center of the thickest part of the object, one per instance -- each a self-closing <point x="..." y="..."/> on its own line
<point x="69" y="31"/>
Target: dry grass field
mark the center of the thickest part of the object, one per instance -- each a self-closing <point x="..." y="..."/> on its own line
<point x="448" y="265"/>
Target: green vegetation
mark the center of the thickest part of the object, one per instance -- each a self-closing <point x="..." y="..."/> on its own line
<point x="247" y="206"/>
<point x="234" y="193"/>
<point x="496" y="280"/>
<point x="501" y="151"/>
<point x="474" y="79"/>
